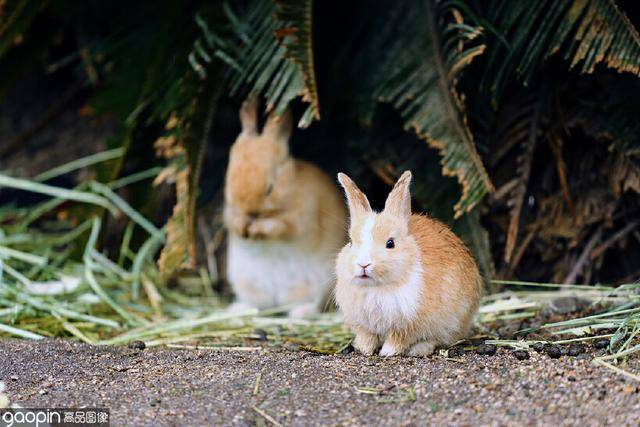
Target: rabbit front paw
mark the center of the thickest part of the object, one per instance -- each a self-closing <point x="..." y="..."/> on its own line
<point x="388" y="350"/>
<point x="394" y="345"/>
<point x="421" y="349"/>
<point x="366" y="343"/>
<point x="264" y="228"/>
<point x="238" y="225"/>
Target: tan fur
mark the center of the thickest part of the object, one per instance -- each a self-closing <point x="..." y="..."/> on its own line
<point x="442" y="255"/>
<point x="447" y="290"/>
<point x="270" y="197"/>
<point x="358" y="202"/>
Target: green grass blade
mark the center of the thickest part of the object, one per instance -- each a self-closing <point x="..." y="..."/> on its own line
<point x="19" y="332"/>
<point x="550" y="285"/>
<point x="133" y="178"/>
<point x="93" y="283"/>
<point x="79" y="164"/>
<point x="126" y="208"/>
<point x="147" y="249"/>
<point x="178" y="325"/>
<point x="62" y="193"/>
<point x="22" y="256"/>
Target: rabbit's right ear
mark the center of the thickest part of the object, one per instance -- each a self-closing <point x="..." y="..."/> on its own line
<point x="278" y="128"/>
<point x="399" y="200"/>
<point x="249" y="115"/>
<point x="358" y="202"/>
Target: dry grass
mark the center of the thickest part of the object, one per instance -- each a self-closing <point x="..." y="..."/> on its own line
<point x="46" y="290"/>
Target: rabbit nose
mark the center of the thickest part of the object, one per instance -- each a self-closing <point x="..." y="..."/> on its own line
<point x="252" y="216"/>
<point x="364" y="266"/>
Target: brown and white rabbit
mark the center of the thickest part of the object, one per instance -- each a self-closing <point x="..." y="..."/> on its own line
<point x="406" y="282"/>
<point x="286" y="220"/>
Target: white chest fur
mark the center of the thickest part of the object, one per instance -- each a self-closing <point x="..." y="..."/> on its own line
<point x="267" y="274"/>
<point x="377" y="308"/>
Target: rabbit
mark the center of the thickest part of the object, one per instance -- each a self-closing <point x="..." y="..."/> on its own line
<point x="285" y="217"/>
<point x="406" y="283"/>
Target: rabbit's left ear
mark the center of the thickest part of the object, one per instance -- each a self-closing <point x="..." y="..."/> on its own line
<point x="249" y="115"/>
<point x="356" y="199"/>
<point x="399" y="200"/>
<point x="278" y="127"/>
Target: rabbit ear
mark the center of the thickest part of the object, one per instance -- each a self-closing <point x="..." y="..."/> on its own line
<point x="249" y="115"/>
<point x="278" y="127"/>
<point x="358" y="202"/>
<point x="399" y="200"/>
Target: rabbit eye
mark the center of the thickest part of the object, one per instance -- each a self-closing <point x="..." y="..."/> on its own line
<point x="269" y="190"/>
<point x="390" y="243"/>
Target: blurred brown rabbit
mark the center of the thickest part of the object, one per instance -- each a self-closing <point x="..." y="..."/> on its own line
<point x="285" y="217"/>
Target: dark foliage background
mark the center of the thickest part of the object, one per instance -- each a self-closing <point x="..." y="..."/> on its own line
<point x="519" y="119"/>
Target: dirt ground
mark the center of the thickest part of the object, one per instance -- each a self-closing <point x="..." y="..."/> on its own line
<point x="277" y="386"/>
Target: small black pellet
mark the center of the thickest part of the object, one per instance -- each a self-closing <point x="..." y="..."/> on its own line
<point x="137" y="345"/>
<point x="521" y="354"/>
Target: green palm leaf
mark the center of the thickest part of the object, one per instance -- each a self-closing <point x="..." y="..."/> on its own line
<point x="416" y="73"/>
<point x="268" y="50"/>
<point x="585" y="33"/>
<point x="297" y="38"/>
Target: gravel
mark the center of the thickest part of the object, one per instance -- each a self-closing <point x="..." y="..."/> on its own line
<point x="196" y="387"/>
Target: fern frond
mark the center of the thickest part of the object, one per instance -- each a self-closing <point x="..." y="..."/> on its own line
<point x="268" y="51"/>
<point x="296" y="35"/>
<point x="416" y="74"/>
<point x="183" y="145"/>
<point x="585" y="33"/>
